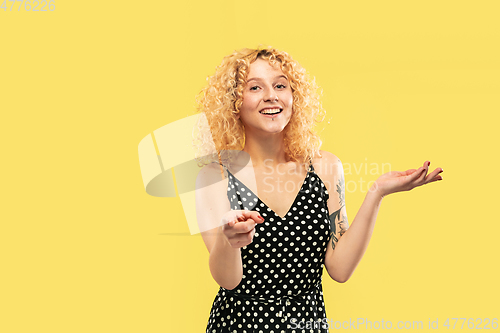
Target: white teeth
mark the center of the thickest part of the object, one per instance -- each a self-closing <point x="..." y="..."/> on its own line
<point x="270" y="111"/>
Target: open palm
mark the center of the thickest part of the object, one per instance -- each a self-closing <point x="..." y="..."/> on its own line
<point x="398" y="181"/>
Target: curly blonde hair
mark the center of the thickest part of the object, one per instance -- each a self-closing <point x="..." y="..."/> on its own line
<point x="220" y="101"/>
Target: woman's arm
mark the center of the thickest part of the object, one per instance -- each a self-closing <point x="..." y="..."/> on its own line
<point x="348" y="244"/>
<point x="211" y="205"/>
<point x="343" y="257"/>
<point x="225" y="262"/>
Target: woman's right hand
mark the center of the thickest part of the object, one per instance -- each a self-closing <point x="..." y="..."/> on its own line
<point x="238" y="226"/>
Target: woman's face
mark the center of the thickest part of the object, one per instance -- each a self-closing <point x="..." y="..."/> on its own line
<point x="267" y="99"/>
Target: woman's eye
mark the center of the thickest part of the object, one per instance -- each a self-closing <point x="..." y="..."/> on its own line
<point x="281" y="86"/>
<point x="254" y="88"/>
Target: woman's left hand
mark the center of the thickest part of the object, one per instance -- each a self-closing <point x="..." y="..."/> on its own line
<point x="398" y="181"/>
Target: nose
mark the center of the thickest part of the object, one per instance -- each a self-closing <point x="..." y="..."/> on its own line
<point x="271" y="96"/>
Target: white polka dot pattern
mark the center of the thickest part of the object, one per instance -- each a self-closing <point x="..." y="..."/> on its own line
<point x="282" y="267"/>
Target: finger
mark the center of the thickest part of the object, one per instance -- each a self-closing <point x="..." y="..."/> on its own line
<point x="230" y="223"/>
<point x="242" y="236"/>
<point x="416" y="174"/>
<point x="253" y="215"/>
<point x="250" y="235"/>
<point x="244" y="227"/>
<point x="437" y="178"/>
<point x="235" y="218"/>
<point x="433" y="174"/>
<point x="421" y="178"/>
<point x="232" y="220"/>
<point x="228" y="229"/>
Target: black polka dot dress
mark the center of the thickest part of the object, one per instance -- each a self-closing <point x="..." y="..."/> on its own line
<point x="282" y="267"/>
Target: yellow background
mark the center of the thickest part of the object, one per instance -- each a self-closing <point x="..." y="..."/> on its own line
<point x="85" y="249"/>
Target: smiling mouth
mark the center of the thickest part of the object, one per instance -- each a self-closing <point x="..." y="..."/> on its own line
<point x="271" y="111"/>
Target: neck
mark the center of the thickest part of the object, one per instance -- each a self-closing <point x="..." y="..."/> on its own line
<point x="266" y="150"/>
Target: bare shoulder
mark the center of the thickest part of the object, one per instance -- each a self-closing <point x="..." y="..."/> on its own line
<point x="327" y="166"/>
<point x="328" y="157"/>
<point x="210" y="174"/>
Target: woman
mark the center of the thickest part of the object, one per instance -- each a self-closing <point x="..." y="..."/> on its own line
<point x="272" y="203"/>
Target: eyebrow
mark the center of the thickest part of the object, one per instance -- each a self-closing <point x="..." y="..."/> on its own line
<point x="277" y="77"/>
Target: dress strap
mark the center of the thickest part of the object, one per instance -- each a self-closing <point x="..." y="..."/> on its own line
<point x="222" y="168"/>
<point x="311" y="168"/>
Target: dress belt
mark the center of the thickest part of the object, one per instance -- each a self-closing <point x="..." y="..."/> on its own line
<point x="286" y="298"/>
